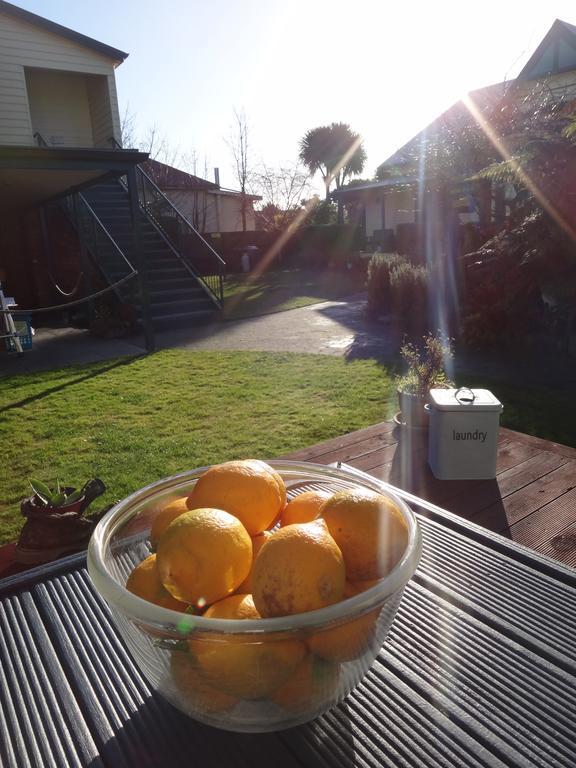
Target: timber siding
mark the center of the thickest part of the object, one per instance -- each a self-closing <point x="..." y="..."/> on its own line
<point x="27" y="46"/>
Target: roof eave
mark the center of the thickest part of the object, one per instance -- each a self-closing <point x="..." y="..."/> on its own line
<point x="115" y="54"/>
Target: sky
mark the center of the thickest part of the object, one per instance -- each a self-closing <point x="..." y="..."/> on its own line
<point x="386" y="68"/>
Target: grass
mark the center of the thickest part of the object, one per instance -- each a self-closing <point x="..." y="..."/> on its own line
<point x="250" y="295"/>
<point x="541" y="411"/>
<point x="135" y="420"/>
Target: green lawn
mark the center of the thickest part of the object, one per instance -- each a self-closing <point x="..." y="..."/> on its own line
<point x="249" y="295"/>
<point x="135" y="420"/>
<point x="544" y="412"/>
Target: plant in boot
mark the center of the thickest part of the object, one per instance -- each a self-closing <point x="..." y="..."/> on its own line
<point x="54" y="524"/>
<point x="58" y="496"/>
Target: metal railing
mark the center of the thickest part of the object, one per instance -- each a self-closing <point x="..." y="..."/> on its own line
<point x="197" y="255"/>
<point x="105" y="251"/>
<point x="40" y="140"/>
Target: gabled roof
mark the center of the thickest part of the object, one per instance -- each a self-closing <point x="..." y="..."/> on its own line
<point x="486" y="99"/>
<point x="167" y="177"/>
<point x="455" y="117"/>
<point x="394" y="182"/>
<point x="58" y="29"/>
<point x="547" y="58"/>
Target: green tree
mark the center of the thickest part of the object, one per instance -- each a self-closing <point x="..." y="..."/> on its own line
<point x="336" y="151"/>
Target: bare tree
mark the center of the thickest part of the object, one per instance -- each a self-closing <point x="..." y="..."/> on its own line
<point x="193" y="163"/>
<point x="282" y="190"/>
<point x="128" y="128"/>
<point x="159" y="147"/>
<point x="239" y="145"/>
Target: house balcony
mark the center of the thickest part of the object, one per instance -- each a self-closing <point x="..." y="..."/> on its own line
<point x="70" y="109"/>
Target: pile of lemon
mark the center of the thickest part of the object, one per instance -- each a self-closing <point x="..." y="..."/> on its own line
<point x="235" y="549"/>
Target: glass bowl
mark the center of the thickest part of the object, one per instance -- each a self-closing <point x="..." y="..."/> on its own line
<point x="246" y="675"/>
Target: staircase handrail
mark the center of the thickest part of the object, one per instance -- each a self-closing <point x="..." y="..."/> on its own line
<point x="97" y="228"/>
<point x="105" y="231"/>
<point x="216" y="292"/>
<point x="180" y="215"/>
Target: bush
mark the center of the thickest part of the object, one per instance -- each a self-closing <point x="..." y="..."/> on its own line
<point x="398" y="287"/>
<point x="321" y="246"/>
<point x="508" y="279"/>
<point x="409" y="289"/>
<point x="379" y="290"/>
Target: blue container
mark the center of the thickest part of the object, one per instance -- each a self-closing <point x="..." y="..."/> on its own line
<point x="23" y="325"/>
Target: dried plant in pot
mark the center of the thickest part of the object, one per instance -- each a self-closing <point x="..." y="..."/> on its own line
<point x="426" y="368"/>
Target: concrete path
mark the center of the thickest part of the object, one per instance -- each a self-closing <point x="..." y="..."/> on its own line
<point x="338" y="328"/>
<point x="330" y="328"/>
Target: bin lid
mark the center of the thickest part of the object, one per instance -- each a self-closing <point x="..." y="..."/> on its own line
<point x="464" y="399"/>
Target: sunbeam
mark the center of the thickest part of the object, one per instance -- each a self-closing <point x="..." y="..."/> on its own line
<point x="521" y="172"/>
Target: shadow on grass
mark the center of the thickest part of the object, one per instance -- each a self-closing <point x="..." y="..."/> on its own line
<point x="61" y="387"/>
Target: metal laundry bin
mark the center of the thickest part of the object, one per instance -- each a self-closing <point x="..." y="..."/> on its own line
<point x="463" y="433"/>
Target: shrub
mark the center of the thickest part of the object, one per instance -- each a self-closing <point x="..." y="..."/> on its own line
<point x="409" y="287"/>
<point x="379" y="291"/>
<point x="505" y="280"/>
<point x="399" y="287"/>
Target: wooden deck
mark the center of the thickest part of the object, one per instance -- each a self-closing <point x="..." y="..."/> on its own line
<point x="532" y="500"/>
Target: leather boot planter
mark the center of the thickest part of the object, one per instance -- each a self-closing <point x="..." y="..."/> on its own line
<point x="54" y="524"/>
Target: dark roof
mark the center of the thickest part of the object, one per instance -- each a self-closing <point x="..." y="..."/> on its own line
<point x="484" y="98"/>
<point x="58" y="29"/>
<point x="560" y="30"/>
<point x="392" y="182"/>
<point x="457" y="114"/>
<point x="167" y="177"/>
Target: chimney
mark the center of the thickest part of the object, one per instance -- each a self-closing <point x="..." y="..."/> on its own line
<point x="217" y="176"/>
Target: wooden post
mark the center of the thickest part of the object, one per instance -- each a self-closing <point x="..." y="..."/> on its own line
<point x="140" y="260"/>
<point x="87" y="270"/>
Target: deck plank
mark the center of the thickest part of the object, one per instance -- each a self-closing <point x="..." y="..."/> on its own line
<point x="541" y="444"/>
<point x="529" y="499"/>
<point x="490" y="493"/>
<point x="532" y="500"/>
<point x="546" y="524"/>
<point x="314" y="452"/>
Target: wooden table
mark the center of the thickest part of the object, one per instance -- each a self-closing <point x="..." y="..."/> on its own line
<point x="478" y="671"/>
<point x="532" y="501"/>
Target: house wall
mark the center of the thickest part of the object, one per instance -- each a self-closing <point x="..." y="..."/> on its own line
<point x="374" y="218"/>
<point x="24" y="45"/>
<point x="399" y="208"/>
<point x="198" y="207"/>
<point x="210" y="212"/>
<point x="60" y="108"/>
<point x="230" y="217"/>
<point x="100" y="100"/>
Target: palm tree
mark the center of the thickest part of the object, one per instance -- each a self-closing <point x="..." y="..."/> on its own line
<point x="335" y="150"/>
